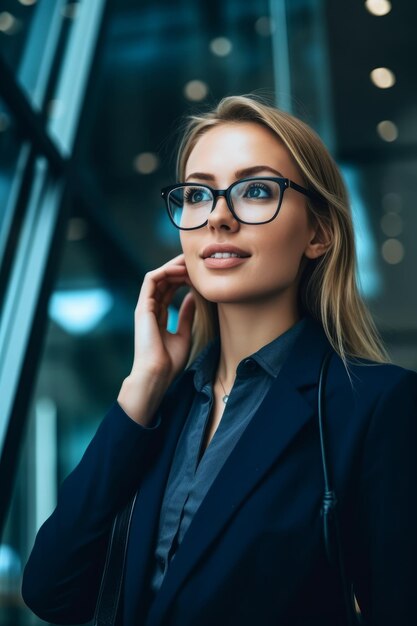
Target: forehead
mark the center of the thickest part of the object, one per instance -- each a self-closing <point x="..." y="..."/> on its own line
<point x="232" y="146"/>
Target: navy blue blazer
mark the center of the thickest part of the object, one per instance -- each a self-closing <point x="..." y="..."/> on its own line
<point x="254" y="552"/>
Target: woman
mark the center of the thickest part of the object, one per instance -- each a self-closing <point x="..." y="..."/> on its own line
<point x="228" y="448"/>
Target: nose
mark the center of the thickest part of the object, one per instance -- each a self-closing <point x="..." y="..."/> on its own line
<point x="221" y="217"/>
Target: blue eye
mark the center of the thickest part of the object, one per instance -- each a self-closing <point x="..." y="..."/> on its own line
<point x="257" y="190"/>
<point x="194" y="195"/>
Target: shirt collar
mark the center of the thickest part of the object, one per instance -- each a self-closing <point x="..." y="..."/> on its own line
<point x="205" y="364"/>
<point x="270" y="357"/>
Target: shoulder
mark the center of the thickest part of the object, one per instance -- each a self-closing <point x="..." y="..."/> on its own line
<point x="375" y="383"/>
<point x="367" y="372"/>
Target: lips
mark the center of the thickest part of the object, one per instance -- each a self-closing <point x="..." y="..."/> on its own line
<point x="223" y="251"/>
<point x="223" y="257"/>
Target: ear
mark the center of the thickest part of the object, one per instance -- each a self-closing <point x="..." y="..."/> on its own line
<point x="320" y="241"/>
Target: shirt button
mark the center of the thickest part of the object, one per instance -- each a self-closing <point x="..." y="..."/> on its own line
<point x="250" y="365"/>
<point x="161" y="561"/>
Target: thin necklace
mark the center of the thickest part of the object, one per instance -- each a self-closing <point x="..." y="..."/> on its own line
<point x="226" y="395"/>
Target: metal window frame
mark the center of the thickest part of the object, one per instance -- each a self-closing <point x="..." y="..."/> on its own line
<point x="44" y="183"/>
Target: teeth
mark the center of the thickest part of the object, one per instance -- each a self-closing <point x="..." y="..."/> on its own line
<point x="224" y="255"/>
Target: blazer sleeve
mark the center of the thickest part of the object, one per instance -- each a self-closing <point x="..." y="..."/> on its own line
<point x="388" y="507"/>
<point x="63" y="574"/>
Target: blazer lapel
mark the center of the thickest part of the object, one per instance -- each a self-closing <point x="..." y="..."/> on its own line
<point x="283" y="413"/>
<point x="145" y="519"/>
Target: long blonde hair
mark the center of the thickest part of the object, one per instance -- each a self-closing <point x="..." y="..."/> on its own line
<point x="328" y="290"/>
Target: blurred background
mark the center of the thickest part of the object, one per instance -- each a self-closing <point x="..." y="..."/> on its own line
<point x="92" y="94"/>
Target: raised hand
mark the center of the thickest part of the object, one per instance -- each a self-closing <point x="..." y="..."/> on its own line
<point x="158" y="355"/>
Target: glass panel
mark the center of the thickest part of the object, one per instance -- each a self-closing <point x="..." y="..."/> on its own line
<point x="88" y="352"/>
<point x="372" y="132"/>
<point x="69" y="80"/>
<point x="308" y="58"/>
<point x="10" y="145"/>
<point x="389" y="193"/>
<point x="16" y="19"/>
<point x="33" y="35"/>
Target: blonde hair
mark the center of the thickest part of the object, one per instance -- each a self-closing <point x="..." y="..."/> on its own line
<point x="328" y="290"/>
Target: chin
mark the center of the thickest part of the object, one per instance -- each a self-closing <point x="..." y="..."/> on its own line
<point x="228" y="295"/>
<point x="245" y="292"/>
<point x="216" y="293"/>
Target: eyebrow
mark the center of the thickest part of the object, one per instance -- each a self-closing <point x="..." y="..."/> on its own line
<point x="247" y="171"/>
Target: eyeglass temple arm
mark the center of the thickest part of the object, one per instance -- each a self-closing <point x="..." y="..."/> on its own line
<point x="307" y="192"/>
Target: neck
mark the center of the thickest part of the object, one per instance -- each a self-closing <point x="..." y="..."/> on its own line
<point x="245" y="328"/>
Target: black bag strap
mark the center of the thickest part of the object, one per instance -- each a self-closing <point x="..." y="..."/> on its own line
<point x="331" y="529"/>
<point x="111" y="582"/>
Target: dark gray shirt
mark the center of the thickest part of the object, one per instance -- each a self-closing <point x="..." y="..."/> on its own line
<point x="191" y="474"/>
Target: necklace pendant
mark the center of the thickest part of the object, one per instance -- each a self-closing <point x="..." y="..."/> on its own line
<point x="225" y="398"/>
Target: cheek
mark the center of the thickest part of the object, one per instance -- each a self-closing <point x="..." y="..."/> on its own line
<point x="284" y="242"/>
<point x="279" y="255"/>
<point x="190" y="248"/>
<point x="186" y="244"/>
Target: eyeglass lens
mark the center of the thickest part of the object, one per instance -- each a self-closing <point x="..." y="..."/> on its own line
<point x="253" y="202"/>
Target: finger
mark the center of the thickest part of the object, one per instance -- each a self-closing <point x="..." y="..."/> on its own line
<point x="178" y="260"/>
<point x="186" y="316"/>
<point x="165" y="293"/>
<point x="172" y="265"/>
<point x="162" y="277"/>
<point x="179" y="257"/>
<point x="151" y="286"/>
<point x="161" y="289"/>
<point x="165" y="299"/>
<point x="165" y="283"/>
<point x="163" y="318"/>
<point x="169" y="294"/>
<point x="166" y="273"/>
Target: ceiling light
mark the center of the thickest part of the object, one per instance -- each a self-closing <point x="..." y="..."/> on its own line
<point x="145" y="163"/>
<point x="9" y="25"/>
<point x="79" y="311"/>
<point x="391" y="202"/>
<point x="264" y="26"/>
<point x="378" y="7"/>
<point x="195" y="90"/>
<point x="382" y="77"/>
<point x="221" y="46"/>
<point x="392" y="251"/>
<point x="27" y="3"/>
<point x="387" y="130"/>
<point x="391" y="224"/>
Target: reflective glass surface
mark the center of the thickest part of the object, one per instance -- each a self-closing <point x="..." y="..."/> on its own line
<point x="88" y="352"/>
<point x="16" y="20"/>
<point x="10" y="145"/>
<point x="33" y="35"/>
<point x="371" y="130"/>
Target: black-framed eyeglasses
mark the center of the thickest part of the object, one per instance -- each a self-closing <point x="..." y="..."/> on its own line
<point x="250" y="200"/>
